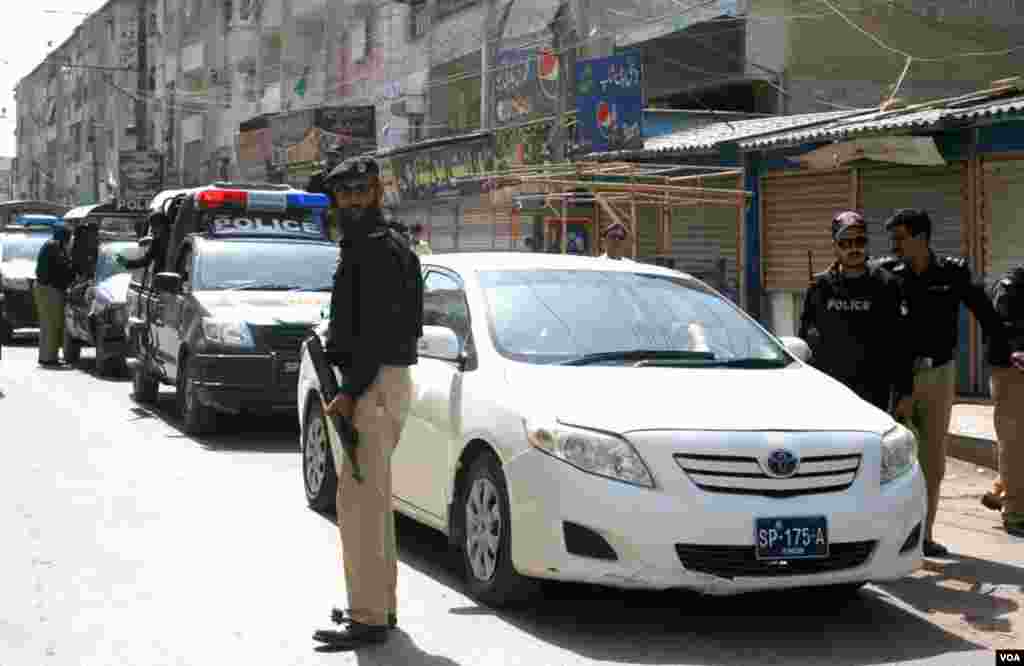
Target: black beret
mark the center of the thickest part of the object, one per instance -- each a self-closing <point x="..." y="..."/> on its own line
<point x="354" y="169"/>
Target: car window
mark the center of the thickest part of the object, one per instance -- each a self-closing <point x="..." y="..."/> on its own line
<point x="26" y="246"/>
<point x="444" y="304"/>
<point x="551" y="316"/>
<point x="265" y="265"/>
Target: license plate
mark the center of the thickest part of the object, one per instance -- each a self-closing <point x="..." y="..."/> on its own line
<point x="291" y="366"/>
<point x="791" y="538"/>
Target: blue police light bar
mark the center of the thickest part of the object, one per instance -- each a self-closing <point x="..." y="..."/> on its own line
<point x="307" y="200"/>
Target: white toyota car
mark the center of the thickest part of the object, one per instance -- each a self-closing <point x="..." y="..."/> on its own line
<point x="590" y="420"/>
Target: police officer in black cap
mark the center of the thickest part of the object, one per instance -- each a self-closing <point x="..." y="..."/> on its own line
<point x="376" y="321"/>
<point x="850" y="314"/>
<point x="933" y="288"/>
<point x="160" y="232"/>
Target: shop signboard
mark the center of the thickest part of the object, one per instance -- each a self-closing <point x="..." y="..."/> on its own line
<point x="609" y="102"/>
<point x="448" y="170"/>
<point x="352" y="129"/>
<point x="525" y="85"/>
<point x="141" y="174"/>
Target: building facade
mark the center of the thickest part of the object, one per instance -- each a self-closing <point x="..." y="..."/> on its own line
<point x="232" y="88"/>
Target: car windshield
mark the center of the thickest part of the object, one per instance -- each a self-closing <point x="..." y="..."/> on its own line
<point x="586" y="317"/>
<point x="106" y="266"/>
<point x="17" y="246"/>
<point x="266" y="266"/>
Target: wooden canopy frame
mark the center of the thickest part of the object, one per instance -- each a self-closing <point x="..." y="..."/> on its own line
<point x="616" y="188"/>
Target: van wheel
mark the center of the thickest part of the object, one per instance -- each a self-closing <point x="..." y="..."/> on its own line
<point x="196" y="418"/>
<point x="487" y="540"/>
<point x="318" y="473"/>
<point x="72" y="348"/>
<point x="144" y="385"/>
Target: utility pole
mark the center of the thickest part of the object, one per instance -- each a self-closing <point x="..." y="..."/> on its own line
<point x="95" y="160"/>
<point x="141" y="124"/>
<point x="558" y="29"/>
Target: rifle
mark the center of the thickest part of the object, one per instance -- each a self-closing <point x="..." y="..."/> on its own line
<point x="329" y="389"/>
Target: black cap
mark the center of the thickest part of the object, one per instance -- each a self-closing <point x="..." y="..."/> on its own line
<point x="354" y="170"/>
<point x="616" y="227"/>
<point x="845" y="221"/>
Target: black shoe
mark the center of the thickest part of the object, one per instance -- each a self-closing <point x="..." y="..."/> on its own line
<point x="338" y="616"/>
<point x="49" y="364"/>
<point x="992" y="501"/>
<point x="353" y="636"/>
<point x="932" y="549"/>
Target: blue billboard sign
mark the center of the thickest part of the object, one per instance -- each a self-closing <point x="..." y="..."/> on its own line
<point x="610" y="103"/>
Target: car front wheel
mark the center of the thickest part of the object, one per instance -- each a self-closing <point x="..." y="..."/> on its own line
<point x="196" y="418"/>
<point x="319" y="476"/>
<point x="487" y="542"/>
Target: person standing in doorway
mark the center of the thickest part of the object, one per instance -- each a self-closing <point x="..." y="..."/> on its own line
<point x="616" y="238"/>
<point x="376" y="321"/>
<point x="851" y="316"/>
<point x="933" y="287"/>
<point x="54" y="274"/>
<point x="1007" y="384"/>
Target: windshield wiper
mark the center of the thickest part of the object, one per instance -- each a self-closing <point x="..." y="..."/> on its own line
<point x="754" y="363"/>
<point x="263" y="286"/>
<point x="645" y="355"/>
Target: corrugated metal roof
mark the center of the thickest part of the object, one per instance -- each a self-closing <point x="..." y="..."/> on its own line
<point x="709" y="136"/>
<point x="881" y="121"/>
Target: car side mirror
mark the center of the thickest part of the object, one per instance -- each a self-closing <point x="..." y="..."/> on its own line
<point x="440" y="342"/>
<point x="797" y="347"/>
<point x="167" y="282"/>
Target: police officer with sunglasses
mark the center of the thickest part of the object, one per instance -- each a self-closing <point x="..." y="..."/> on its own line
<point x="850" y="315"/>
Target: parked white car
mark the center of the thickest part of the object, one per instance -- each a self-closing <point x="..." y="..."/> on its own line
<point x="616" y="423"/>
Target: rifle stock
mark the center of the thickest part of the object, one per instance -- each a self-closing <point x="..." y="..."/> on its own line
<point x="329" y="389"/>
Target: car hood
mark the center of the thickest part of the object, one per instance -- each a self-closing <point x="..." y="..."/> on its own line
<point x="113" y="290"/>
<point x="265" y="308"/>
<point x="19" y="268"/>
<point x="623" y="399"/>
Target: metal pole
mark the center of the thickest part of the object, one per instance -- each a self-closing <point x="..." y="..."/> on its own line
<point x="141" y="127"/>
<point x="95" y="161"/>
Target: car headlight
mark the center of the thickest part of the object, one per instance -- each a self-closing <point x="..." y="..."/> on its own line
<point x="229" y="333"/>
<point x="593" y="452"/>
<point x="899" y="451"/>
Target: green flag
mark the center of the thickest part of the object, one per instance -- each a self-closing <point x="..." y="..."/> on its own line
<point x="300" y="86"/>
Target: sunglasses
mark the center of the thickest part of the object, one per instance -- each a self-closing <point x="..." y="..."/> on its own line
<point x="352" y="188"/>
<point x="860" y="242"/>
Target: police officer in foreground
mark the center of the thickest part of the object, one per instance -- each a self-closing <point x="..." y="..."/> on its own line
<point x="852" y="315"/>
<point x="1007" y="384"/>
<point x="933" y="288"/>
<point x="376" y="321"/>
<point x="54" y="274"/>
<point x="160" y="228"/>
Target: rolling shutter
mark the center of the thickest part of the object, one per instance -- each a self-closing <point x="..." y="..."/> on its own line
<point x="796" y="216"/>
<point x="1002" y="236"/>
<point x="703" y="236"/>
<point x="941" y="191"/>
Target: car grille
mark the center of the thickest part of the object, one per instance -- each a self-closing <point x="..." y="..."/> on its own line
<point x="286" y="340"/>
<point x="742" y="562"/>
<point x="20" y="307"/>
<point x="743" y="475"/>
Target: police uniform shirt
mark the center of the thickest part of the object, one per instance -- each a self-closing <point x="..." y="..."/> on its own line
<point x="1008" y="302"/>
<point x="933" y="301"/>
<point x="853" y="325"/>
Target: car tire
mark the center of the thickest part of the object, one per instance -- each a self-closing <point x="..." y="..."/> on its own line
<point x="318" y="474"/>
<point x="72" y="348"/>
<point x="196" y="418"/>
<point x="145" y="386"/>
<point x="487" y="538"/>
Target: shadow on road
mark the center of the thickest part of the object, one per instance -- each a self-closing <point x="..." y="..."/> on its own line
<point x="278" y="433"/>
<point x="965" y="586"/>
<point x="675" y="627"/>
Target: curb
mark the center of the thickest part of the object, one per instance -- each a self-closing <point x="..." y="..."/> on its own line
<point x="974" y="450"/>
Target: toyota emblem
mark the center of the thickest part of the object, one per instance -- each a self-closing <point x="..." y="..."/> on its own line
<point x="782" y="464"/>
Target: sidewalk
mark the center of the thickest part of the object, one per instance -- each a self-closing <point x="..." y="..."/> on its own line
<point x="973" y="435"/>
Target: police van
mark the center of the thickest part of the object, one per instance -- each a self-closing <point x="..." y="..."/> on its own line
<point x="247" y="274"/>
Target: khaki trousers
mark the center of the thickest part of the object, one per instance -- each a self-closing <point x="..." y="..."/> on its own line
<point x="366" y="519"/>
<point x="50" y="307"/>
<point x="1007" y="386"/>
<point x="932" y="406"/>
